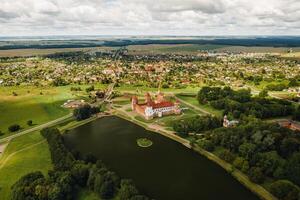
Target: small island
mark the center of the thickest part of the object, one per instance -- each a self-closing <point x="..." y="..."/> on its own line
<point x="144" y="142"/>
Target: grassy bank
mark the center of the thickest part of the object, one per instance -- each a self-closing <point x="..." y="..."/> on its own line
<point x="260" y="191"/>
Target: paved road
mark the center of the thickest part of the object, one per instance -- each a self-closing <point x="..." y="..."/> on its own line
<point x="37" y="128"/>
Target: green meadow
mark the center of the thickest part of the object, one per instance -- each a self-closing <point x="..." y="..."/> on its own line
<point x="31" y="103"/>
<point x="23" y="155"/>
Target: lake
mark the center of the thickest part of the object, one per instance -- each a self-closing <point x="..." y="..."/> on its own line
<point x="164" y="171"/>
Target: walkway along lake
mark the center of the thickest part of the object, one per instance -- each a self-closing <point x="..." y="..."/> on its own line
<point x="164" y="171"/>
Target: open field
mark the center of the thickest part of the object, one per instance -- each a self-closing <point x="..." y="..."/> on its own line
<point x="23" y="155"/>
<point x="192" y="100"/>
<point x="196" y="48"/>
<point x="40" y="52"/>
<point x="29" y="104"/>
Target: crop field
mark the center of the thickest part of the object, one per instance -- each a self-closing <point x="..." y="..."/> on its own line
<point x="39" y="52"/>
<point x="196" y="48"/>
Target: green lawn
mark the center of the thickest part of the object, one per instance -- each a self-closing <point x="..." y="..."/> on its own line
<point x="29" y="104"/>
<point x="23" y="155"/>
<point x="192" y="100"/>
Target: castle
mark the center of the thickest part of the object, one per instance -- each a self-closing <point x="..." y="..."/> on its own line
<point x="155" y="108"/>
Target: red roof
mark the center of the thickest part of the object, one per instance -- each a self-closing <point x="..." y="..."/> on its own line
<point x="162" y="104"/>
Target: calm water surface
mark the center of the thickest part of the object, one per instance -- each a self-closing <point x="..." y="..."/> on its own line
<point x="165" y="171"/>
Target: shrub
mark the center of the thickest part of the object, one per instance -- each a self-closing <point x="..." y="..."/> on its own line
<point x="14" y="128"/>
<point x="227" y="156"/>
<point x="206" y="144"/>
<point x="284" y="189"/>
<point x="29" y="123"/>
<point x="256" y="175"/>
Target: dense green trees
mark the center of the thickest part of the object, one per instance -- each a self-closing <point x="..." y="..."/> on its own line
<point x="14" y="128"/>
<point x="296" y="115"/>
<point x="264" y="151"/>
<point x="284" y="189"/>
<point x="85" y="111"/>
<point x="196" y="124"/>
<point x="240" y="103"/>
<point x="69" y="175"/>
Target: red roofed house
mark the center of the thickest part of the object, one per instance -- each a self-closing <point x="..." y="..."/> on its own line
<point x="289" y="124"/>
<point x="157" y="108"/>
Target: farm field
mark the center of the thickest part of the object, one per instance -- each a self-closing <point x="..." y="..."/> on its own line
<point x="40" y="52"/>
<point x="196" y="48"/>
<point x="25" y="154"/>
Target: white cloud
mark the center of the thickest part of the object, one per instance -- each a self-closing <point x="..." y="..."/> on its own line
<point x="176" y="17"/>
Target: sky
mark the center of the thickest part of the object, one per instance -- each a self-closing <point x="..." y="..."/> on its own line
<point x="149" y="17"/>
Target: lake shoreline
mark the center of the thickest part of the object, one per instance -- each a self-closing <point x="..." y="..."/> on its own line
<point x="257" y="189"/>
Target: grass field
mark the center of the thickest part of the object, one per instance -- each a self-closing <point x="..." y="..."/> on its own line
<point x="23" y="155"/>
<point x="31" y="105"/>
<point x="192" y="100"/>
<point x="36" y="52"/>
<point x="195" y="48"/>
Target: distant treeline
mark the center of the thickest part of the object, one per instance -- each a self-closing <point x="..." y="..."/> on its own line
<point x="274" y="41"/>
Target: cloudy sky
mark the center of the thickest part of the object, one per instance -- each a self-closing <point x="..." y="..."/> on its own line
<point x="149" y="17"/>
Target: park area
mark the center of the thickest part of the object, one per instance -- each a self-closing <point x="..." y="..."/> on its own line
<point x="18" y="105"/>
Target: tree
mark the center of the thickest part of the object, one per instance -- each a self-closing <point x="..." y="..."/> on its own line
<point x="296" y="115"/>
<point x="89" y="89"/>
<point x="127" y="190"/>
<point x="227" y="155"/>
<point x="284" y="189"/>
<point x="14" y="128"/>
<point x="263" y="93"/>
<point x="83" y="112"/>
<point x="293" y="83"/>
<point x="247" y="150"/>
<point x="207" y="145"/>
<point x="29" y="123"/>
<point x="107" y="190"/>
<point x="289" y="146"/>
<point x="256" y="175"/>
<point x="292" y="168"/>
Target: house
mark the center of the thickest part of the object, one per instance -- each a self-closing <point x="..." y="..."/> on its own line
<point x="289" y="124"/>
<point x="227" y="123"/>
<point x="155" y="108"/>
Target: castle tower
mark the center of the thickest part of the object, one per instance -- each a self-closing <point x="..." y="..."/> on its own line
<point x="177" y="109"/>
<point x="225" y="121"/>
<point x="134" y="102"/>
<point x="148" y="99"/>
<point x="160" y="97"/>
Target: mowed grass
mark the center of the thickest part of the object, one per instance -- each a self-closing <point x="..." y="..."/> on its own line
<point x="25" y="154"/>
<point x="193" y="100"/>
<point x="31" y="103"/>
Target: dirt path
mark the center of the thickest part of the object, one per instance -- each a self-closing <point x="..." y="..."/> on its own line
<point x="2" y="148"/>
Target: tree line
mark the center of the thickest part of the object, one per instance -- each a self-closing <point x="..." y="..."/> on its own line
<point x="266" y="152"/>
<point x="70" y="175"/>
<point x="240" y="103"/>
<point x="196" y="124"/>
